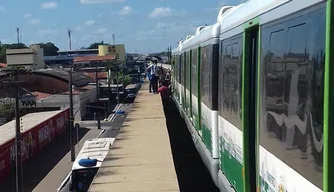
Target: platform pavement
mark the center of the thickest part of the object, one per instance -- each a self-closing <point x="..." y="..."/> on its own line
<point x="140" y="158"/>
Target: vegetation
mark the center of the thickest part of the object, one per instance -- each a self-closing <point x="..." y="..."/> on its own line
<point x="95" y="45"/>
<point x="49" y="49"/>
<point x="7" y="109"/>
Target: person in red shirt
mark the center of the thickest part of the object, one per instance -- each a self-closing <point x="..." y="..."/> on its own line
<point x="164" y="92"/>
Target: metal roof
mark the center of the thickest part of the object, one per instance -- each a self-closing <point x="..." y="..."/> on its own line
<point x="78" y="50"/>
<point x="78" y="79"/>
<point x="28" y="122"/>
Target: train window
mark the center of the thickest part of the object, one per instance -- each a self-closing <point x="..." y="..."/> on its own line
<point x="230" y="84"/>
<point x="188" y="69"/>
<point x="225" y="104"/>
<point x="214" y="79"/>
<point x="182" y="70"/>
<point x="205" y="75"/>
<point x="292" y="127"/>
<point x="194" y="58"/>
<point x="178" y="68"/>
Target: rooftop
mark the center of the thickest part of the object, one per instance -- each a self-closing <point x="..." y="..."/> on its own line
<point x="78" y="50"/>
<point x="78" y="79"/>
<point x="94" y="149"/>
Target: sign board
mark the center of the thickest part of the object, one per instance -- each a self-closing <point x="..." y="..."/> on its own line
<point x="118" y="50"/>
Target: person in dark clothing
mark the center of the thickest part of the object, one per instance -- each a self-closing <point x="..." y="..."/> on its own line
<point x="150" y="74"/>
<point x="151" y="82"/>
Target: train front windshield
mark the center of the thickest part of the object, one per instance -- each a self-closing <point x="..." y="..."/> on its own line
<point x="82" y="178"/>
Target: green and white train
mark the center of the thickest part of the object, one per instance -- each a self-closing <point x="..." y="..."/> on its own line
<point x="254" y="90"/>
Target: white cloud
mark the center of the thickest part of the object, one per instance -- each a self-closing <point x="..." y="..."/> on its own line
<point x="126" y="10"/>
<point x="100" y="15"/>
<point x="47" y="32"/>
<point x="49" y="5"/>
<point x="161" y="12"/>
<point x="78" y="28"/>
<point x="34" y="21"/>
<point x="90" y="22"/>
<point x="102" y="30"/>
<point x="27" y="16"/>
<point x="161" y="25"/>
<point x="100" y="1"/>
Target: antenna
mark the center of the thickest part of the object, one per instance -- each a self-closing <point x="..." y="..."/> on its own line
<point x="18" y="34"/>
<point x="113" y="39"/>
<point x="69" y="31"/>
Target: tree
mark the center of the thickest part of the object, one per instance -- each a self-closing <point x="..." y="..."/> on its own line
<point x="3" y="48"/>
<point x="96" y="45"/>
<point x="6" y="109"/>
<point x="49" y="49"/>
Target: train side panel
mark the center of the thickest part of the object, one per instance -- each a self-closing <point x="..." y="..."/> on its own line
<point x="292" y="92"/>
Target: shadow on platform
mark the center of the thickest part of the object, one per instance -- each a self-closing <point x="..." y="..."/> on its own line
<point x="190" y="169"/>
<point x="41" y="164"/>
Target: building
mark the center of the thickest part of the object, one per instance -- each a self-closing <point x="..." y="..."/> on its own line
<point x="29" y="58"/>
<point x="49" y="87"/>
<point x="66" y="57"/>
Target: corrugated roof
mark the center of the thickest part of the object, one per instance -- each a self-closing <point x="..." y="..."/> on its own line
<point x="78" y="79"/>
<point x="28" y="122"/>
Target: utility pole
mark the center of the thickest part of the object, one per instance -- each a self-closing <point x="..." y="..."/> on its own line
<point x="109" y="103"/>
<point x="117" y="82"/>
<point x="18" y="35"/>
<point x="97" y="97"/>
<point x="71" y="116"/>
<point x="18" y="162"/>
<point x="113" y="39"/>
<point x="69" y="31"/>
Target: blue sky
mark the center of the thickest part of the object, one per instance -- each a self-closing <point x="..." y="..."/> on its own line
<point x="142" y="25"/>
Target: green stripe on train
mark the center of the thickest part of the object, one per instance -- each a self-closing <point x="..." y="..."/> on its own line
<point x="207" y="137"/>
<point x="230" y="166"/>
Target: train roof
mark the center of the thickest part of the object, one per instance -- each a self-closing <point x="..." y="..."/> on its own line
<point x="177" y="50"/>
<point x="253" y="8"/>
<point x="28" y="122"/>
<point x="199" y="29"/>
<point x="204" y="38"/>
<point x="97" y="148"/>
<point x="205" y="35"/>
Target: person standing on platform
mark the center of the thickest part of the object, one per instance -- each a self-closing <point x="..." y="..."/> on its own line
<point x="149" y="76"/>
<point x="155" y="76"/>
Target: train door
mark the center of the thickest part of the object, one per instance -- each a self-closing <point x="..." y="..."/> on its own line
<point x="249" y="113"/>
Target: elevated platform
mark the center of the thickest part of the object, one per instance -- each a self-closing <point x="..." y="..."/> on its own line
<point x="140" y="158"/>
